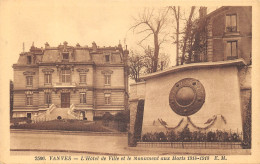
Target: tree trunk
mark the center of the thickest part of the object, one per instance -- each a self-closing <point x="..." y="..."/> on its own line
<point x="187" y="34"/>
<point x="156" y="53"/>
<point x="177" y="35"/>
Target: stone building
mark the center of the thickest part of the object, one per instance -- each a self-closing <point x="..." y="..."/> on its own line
<point x="213" y="94"/>
<point x="71" y="82"/>
<point x="229" y="33"/>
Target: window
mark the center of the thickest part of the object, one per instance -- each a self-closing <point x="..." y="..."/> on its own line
<point x="29" y="100"/>
<point x="107" y="58"/>
<point x="231" y="23"/>
<point x="83" y="97"/>
<point x="231" y="50"/>
<point x="29" y="60"/>
<point x="65" y="76"/>
<point x="107" y="98"/>
<point x="107" y="79"/>
<point x="47" y="97"/>
<point x="29" y="115"/>
<point x="29" y="80"/>
<point x="47" y="78"/>
<point x="65" y="56"/>
<point x="82" y="78"/>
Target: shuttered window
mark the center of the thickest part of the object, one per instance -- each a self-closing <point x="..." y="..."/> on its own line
<point x="231" y="23"/>
<point x="232" y="50"/>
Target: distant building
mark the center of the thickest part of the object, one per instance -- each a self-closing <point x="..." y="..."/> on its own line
<point x="11" y="98"/>
<point x="80" y="82"/>
<point x="229" y="33"/>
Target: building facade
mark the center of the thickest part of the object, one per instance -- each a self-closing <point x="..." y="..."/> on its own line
<point x="83" y="82"/>
<point x="229" y="33"/>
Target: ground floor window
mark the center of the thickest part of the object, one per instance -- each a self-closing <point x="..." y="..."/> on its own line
<point x="107" y="98"/>
<point x="83" y="97"/>
<point x="29" y="115"/>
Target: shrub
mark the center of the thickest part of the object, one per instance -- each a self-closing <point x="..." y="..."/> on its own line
<point x="29" y="121"/>
<point x="161" y="137"/>
<point x="123" y="116"/>
<point x="59" y="117"/>
<point x="97" y="118"/>
<point x="171" y="136"/>
<point x="187" y="136"/>
<point x="107" y="116"/>
<point x="211" y="136"/>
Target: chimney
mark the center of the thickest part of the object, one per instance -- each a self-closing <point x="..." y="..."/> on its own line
<point x="65" y="44"/>
<point x="202" y="12"/>
<point x="126" y="52"/>
<point x="94" y="46"/>
<point x="47" y="45"/>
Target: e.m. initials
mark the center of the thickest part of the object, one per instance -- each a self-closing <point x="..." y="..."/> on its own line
<point x="220" y="157"/>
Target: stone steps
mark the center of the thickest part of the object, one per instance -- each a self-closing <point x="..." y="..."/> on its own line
<point x="63" y="112"/>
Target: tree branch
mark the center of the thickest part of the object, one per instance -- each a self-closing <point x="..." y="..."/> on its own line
<point x="145" y="38"/>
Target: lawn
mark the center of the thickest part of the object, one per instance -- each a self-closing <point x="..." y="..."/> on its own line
<point x="68" y="125"/>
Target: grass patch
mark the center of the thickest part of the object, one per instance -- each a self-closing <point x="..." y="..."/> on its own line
<point x="68" y="125"/>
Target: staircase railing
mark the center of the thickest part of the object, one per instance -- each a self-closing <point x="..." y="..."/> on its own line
<point x="50" y="109"/>
<point x="43" y="115"/>
<point x="71" y="111"/>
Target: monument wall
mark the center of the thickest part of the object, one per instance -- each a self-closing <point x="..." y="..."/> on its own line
<point x="221" y="109"/>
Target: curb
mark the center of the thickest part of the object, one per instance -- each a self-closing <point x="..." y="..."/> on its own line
<point x="66" y="132"/>
<point x="67" y="151"/>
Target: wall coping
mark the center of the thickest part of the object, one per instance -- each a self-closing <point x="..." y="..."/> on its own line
<point x="237" y="62"/>
<point x="137" y="83"/>
<point x="136" y="99"/>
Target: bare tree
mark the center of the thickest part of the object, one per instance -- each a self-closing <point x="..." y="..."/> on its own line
<point x="142" y="64"/>
<point x="163" y="60"/>
<point x="152" y="24"/>
<point x="136" y="64"/>
<point x="177" y="29"/>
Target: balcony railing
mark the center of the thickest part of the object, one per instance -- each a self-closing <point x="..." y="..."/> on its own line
<point x="57" y="85"/>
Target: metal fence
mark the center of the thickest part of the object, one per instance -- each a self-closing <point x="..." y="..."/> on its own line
<point x="191" y="145"/>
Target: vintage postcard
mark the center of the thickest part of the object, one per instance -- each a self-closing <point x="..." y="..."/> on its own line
<point x="129" y="81"/>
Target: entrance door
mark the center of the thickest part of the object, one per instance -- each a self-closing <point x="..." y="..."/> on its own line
<point x="65" y="100"/>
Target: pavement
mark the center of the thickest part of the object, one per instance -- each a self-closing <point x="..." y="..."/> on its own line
<point x="34" y="142"/>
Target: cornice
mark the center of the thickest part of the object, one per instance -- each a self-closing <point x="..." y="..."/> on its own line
<point x="237" y="62"/>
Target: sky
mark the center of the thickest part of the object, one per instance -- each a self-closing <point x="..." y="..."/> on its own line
<point x="55" y="22"/>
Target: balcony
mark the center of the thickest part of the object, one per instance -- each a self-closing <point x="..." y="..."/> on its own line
<point x="64" y="85"/>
